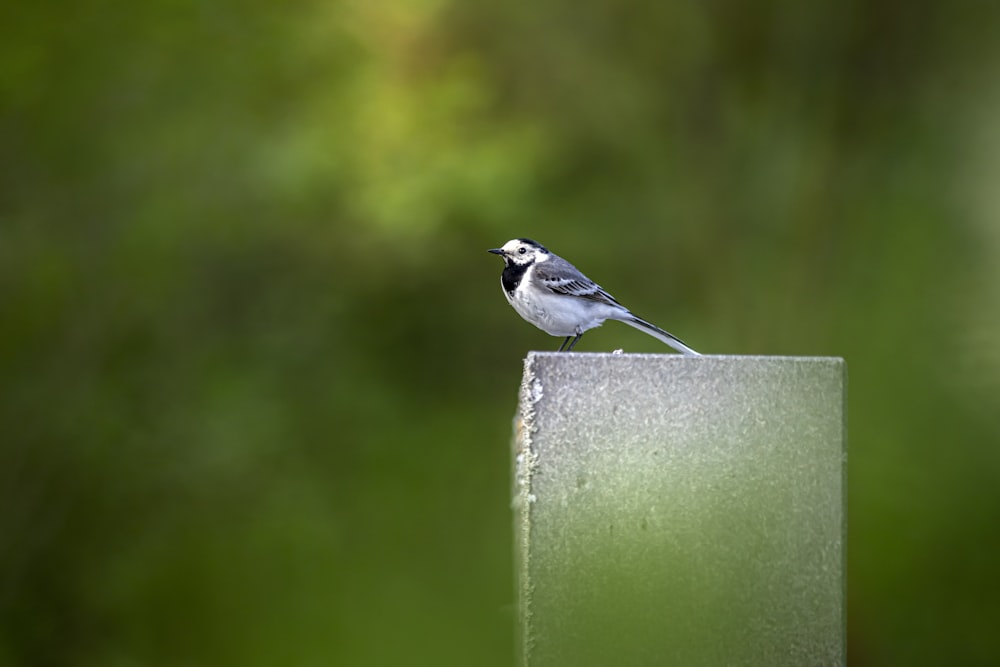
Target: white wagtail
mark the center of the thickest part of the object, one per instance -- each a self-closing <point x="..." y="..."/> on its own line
<point x="556" y="297"/>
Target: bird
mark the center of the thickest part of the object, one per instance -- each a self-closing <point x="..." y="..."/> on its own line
<point x="559" y="299"/>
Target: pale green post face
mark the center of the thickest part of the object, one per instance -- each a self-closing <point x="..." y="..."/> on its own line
<point x="681" y="511"/>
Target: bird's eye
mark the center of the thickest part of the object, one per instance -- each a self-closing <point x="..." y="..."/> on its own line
<point x="522" y="250"/>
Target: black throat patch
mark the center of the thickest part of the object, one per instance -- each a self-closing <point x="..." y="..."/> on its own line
<point x="511" y="276"/>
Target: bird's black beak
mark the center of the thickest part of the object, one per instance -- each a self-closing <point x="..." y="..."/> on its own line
<point x="496" y="251"/>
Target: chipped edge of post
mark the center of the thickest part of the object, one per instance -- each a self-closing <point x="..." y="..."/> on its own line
<point x="525" y="465"/>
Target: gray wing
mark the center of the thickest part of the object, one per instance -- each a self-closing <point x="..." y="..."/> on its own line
<point x="561" y="277"/>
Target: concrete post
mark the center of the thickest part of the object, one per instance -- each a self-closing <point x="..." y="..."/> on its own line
<point x="676" y="510"/>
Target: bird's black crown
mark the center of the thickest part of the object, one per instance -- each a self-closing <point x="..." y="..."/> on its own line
<point x="534" y="244"/>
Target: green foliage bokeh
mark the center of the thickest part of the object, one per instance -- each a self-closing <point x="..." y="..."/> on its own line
<point x="256" y="375"/>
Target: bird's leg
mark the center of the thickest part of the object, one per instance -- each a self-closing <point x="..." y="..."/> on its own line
<point x="578" y="337"/>
<point x="564" y="344"/>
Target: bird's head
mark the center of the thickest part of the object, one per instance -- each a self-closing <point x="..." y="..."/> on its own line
<point x="521" y="252"/>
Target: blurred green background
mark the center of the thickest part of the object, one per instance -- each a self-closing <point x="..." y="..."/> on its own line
<point x="257" y="373"/>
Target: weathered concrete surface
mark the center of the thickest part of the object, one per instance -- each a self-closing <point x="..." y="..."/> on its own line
<point x="675" y="510"/>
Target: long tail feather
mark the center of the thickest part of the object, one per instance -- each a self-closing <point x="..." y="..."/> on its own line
<point x="656" y="332"/>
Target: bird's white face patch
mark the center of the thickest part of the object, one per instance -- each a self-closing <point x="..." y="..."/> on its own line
<point x="523" y="253"/>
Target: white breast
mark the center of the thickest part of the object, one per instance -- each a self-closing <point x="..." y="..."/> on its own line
<point x="555" y="314"/>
